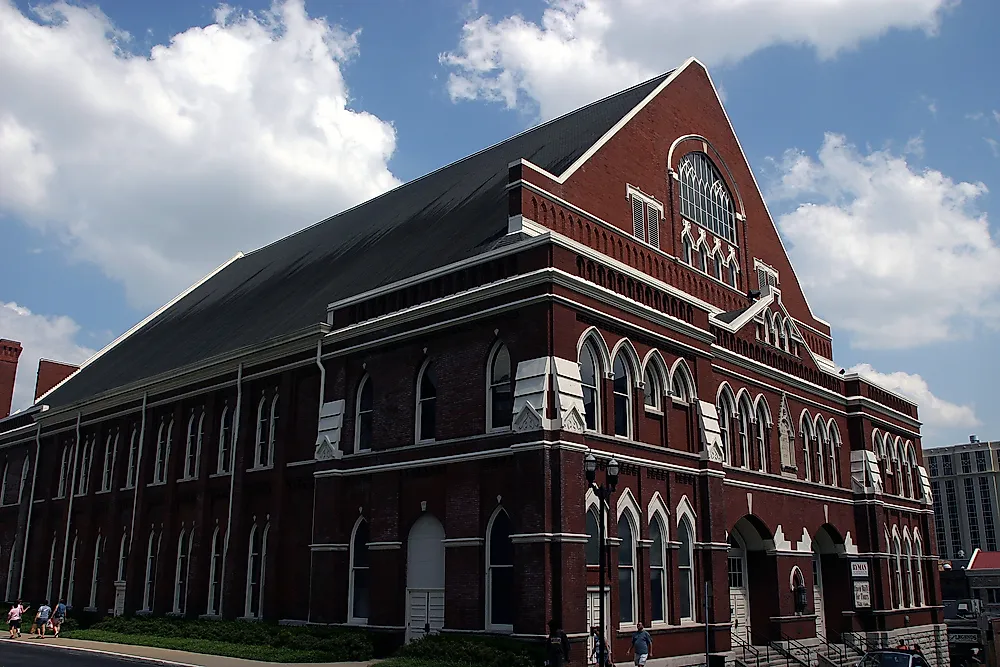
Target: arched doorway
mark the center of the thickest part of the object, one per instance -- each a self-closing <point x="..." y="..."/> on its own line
<point x="739" y="594"/>
<point x="831" y="581"/>
<point x="424" y="577"/>
<point x="753" y="579"/>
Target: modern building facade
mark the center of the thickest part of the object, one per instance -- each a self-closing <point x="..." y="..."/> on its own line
<point x="382" y="420"/>
<point x="964" y="481"/>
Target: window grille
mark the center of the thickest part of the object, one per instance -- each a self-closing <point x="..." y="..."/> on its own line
<point x="705" y="199"/>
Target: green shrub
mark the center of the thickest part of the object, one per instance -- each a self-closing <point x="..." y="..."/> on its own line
<point x="484" y="651"/>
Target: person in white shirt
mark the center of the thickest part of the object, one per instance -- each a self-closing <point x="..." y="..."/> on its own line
<point x="14" y="619"/>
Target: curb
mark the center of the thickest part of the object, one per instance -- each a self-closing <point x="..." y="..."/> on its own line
<point x="124" y="656"/>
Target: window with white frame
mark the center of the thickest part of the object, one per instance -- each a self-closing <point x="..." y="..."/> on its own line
<point x="164" y="437"/>
<point x="500" y="393"/>
<point x="426" y="404"/>
<point x="3" y="483"/>
<point x="72" y="573"/>
<point x="681" y="385"/>
<point x="110" y="449"/>
<point x="908" y="566"/>
<point x="182" y="569"/>
<point x="133" y="459"/>
<point x="256" y="559"/>
<point x="763" y="426"/>
<point x="703" y="258"/>
<point x="360" y="585"/>
<point x="687" y="247"/>
<point x="705" y="198"/>
<point x="767" y="277"/>
<point x="729" y="273"/>
<point x="593" y="549"/>
<point x="623" y="397"/>
<point x="123" y="558"/>
<point x="920" y="570"/>
<point x="646" y="216"/>
<point x="267" y="430"/>
<point x="744" y="423"/>
<point x="364" y="411"/>
<point x="25" y="468"/>
<point x="86" y="455"/>
<point x="500" y="574"/>
<point x="658" y="571"/>
<point x="224" y="462"/>
<point x="626" y="571"/>
<point x="806" y="431"/>
<point x="685" y="563"/>
<point x="590" y="373"/>
<point x="652" y="380"/>
<point x="63" y="472"/>
<point x="215" y="575"/>
<point x="96" y="571"/>
<point x="52" y="568"/>
<point x="724" y="407"/>
<point x="192" y="450"/>
<point x="152" y="557"/>
<point x="717" y="266"/>
<point x="897" y="557"/>
<point x="834" y="469"/>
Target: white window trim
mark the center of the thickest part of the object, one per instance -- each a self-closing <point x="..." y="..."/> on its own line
<point x="96" y="570"/>
<point x="417" y="434"/>
<point x="629" y="395"/>
<point x="660" y="521"/>
<point x="183" y="569"/>
<point x="3" y="484"/>
<point x="25" y="469"/>
<point x="149" y="583"/>
<point x="590" y="346"/>
<point x="364" y="384"/>
<point x="70" y="587"/>
<point x="122" y="561"/>
<point x="52" y="567"/>
<point x="634" y="583"/>
<point x="221" y="468"/>
<point x="648" y="202"/>
<point x="262" y="555"/>
<point x="133" y="465"/>
<point x="212" y="608"/>
<point x="351" y="618"/>
<point x="490" y="360"/>
<point x="505" y="628"/>
<point x="688" y="524"/>
<point x="272" y="431"/>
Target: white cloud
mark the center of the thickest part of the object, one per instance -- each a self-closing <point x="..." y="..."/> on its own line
<point x="158" y="168"/>
<point x="936" y="413"/>
<point x="894" y="256"/>
<point x="584" y="49"/>
<point x="41" y="337"/>
<point x="994" y="145"/>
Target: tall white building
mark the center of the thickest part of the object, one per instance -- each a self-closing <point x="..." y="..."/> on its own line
<point x="964" y="480"/>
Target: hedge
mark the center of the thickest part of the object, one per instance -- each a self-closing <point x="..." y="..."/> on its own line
<point x="478" y="651"/>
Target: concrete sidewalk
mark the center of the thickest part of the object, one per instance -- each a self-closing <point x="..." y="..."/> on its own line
<point x="161" y="656"/>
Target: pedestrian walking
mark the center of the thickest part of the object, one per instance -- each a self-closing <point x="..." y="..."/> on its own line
<point x="42" y="619"/>
<point x="14" y="619"/>
<point x="58" y="616"/>
<point x="557" y="645"/>
<point x="601" y="655"/>
<point x="642" y="645"/>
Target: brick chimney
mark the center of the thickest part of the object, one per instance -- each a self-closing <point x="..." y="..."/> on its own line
<point x="51" y="373"/>
<point x="10" y="350"/>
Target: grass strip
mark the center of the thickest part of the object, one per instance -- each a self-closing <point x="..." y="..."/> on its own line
<point x="206" y="646"/>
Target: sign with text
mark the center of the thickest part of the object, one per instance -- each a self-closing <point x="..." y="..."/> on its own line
<point x="963" y="638"/>
<point x="862" y="595"/>
<point x="859" y="569"/>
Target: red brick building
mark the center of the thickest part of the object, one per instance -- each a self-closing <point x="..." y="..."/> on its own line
<point x="320" y="427"/>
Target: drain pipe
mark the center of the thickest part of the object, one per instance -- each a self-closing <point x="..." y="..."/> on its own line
<point x="31" y="506"/>
<point x="322" y="374"/>
<point x="232" y="481"/>
<point x="69" y="511"/>
<point x="322" y="394"/>
<point x="138" y="469"/>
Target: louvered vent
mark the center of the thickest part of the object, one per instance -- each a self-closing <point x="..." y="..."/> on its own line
<point x="654" y="226"/>
<point x="638" y="228"/>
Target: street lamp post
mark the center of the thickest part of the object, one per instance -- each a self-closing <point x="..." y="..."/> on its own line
<point x="603" y="492"/>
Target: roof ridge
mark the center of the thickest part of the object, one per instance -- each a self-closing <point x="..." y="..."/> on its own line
<point x="493" y="146"/>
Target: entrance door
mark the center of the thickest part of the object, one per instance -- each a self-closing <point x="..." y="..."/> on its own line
<point x="739" y="598"/>
<point x="594" y="618"/>
<point x="818" y="596"/>
<point x="424" y="577"/>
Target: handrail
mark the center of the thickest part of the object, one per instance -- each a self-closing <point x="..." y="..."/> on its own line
<point x="746" y="647"/>
<point x="792" y="646"/>
<point x="838" y="650"/>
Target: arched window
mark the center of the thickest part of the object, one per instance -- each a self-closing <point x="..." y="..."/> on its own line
<point x="359" y="585"/>
<point x="763" y="426"/>
<point x="215" y="575"/>
<point x="590" y="372"/>
<point x="52" y="568"/>
<point x="834" y="434"/>
<point x="24" y="478"/>
<point x="3" y="483"/>
<point x="593" y="550"/>
<point x="658" y="571"/>
<point x="821" y="445"/>
<point x="256" y="556"/>
<point x="626" y="571"/>
<point x="72" y="573"/>
<point x="623" y="397"/>
<point x="731" y="273"/>
<point x="133" y="459"/>
<point x="782" y="334"/>
<point x="717" y="266"/>
<point x="745" y="424"/>
<point x="224" y="463"/>
<point x="86" y="455"/>
<point x="898" y="558"/>
<point x="184" y="543"/>
<point x="95" y="576"/>
<point x="688" y="249"/>
<point x="920" y="570"/>
<point x="653" y="386"/>
<point x="499" y="574"/>
<point x="685" y="563"/>
<point x="364" y="409"/>
<point x="152" y="556"/>
<point x="705" y="199"/>
<point x="426" y="404"/>
<point x="267" y="425"/>
<point x="681" y="385"/>
<point x="500" y="394"/>
<point x="163" y="440"/>
<point x="192" y="456"/>
<point x="907" y="485"/>
<point x="908" y="565"/>
<point x="724" y="407"/>
<point x="63" y="472"/>
<point x="108" y="467"/>
<point x="806" y="431"/>
<point x="123" y="558"/>
<point x="703" y="258"/>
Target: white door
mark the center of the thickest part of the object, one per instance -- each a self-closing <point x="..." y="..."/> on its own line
<point x="594" y="618"/>
<point x="739" y="597"/>
<point x="424" y="577"/>
<point x="818" y="596"/>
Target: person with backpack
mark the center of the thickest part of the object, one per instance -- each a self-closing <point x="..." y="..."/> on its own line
<point x="42" y="619"/>
<point x="58" y="616"/>
<point x="14" y="619"/>
<point x="557" y="646"/>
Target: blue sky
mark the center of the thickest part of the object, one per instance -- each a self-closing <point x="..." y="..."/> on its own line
<point x="137" y="162"/>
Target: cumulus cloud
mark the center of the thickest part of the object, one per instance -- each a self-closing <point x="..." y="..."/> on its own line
<point x="936" y="413"/>
<point x="157" y="167"/>
<point x="581" y="50"/>
<point x="897" y="257"/>
<point x="41" y="337"/>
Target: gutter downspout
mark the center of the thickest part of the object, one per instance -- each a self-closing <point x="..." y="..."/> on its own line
<point x="322" y="397"/>
<point x="232" y="482"/>
<point x="138" y="469"/>
<point x="31" y="506"/>
<point x="69" y="511"/>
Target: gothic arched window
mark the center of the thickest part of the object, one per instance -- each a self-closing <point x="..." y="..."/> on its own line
<point x="705" y="199"/>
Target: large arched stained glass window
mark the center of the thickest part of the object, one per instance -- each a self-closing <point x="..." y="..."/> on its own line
<point x="705" y="199"/>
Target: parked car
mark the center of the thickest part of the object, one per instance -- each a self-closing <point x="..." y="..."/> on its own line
<point x="893" y="657"/>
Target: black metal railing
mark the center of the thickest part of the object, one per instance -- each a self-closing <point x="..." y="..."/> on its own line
<point x="748" y="654"/>
<point x="834" y="652"/>
<point x="794" y="650"/>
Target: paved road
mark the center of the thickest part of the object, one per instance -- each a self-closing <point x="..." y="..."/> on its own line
<point x="16" y="654"/>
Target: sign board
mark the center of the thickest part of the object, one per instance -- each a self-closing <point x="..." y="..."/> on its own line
<point x="862" y="595"/>
<point x="963" y="638"/>
<point x="859" y="569"/>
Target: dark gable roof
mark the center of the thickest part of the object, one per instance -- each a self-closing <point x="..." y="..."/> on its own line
<point x="447" y="216"/>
